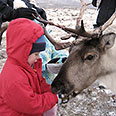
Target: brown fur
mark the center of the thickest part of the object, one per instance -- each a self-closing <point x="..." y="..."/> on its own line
<point x="84" y="65"/>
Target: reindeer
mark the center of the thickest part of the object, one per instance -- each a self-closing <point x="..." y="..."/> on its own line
<point x="90" y="59"/>
<point x="92" y="56"/>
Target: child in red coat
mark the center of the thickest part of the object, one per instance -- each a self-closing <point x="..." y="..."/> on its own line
<point x="23" y="91"/>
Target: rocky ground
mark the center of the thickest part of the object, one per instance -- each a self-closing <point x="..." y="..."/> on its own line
<point x="93" y="101"/>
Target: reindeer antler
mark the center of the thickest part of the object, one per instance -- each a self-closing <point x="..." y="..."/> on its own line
<point x="83" y="4"/>
<point x="58" y="45"/>
<point x="79" y="29"/>
<point x="100" y="29"/>
<point x="75" y="32"/>
<point x="97" y="32"/>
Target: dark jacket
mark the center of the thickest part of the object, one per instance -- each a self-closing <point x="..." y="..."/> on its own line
<point x="9" y="2"/>
<point x="40" y="11"/>
<point x="8" y="13"/>
<point x="5" y="9"/>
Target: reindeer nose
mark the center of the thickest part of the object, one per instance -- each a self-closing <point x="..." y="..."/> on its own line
<point x="56" y="88"/>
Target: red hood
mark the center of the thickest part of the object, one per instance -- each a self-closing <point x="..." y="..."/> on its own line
<point x="21" y="33"/>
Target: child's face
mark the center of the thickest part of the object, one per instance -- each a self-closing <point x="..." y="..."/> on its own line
<point x="33" y="58"/>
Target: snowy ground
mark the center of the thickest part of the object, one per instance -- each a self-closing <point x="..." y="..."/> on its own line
<point x="93" y="101"/>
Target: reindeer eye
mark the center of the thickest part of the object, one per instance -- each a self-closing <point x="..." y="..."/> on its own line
<point x="89" y="57"/>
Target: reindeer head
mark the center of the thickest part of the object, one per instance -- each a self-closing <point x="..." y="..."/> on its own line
<point x="84" y="64"/>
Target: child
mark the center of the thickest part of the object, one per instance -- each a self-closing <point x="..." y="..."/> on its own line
<point x="23" y="91"/>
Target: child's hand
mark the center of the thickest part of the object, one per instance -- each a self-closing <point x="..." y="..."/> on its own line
<point x="62" y="99"/>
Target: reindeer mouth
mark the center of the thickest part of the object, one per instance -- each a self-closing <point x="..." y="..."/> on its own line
<point x="54" y="90"/>
<point x="63" y="88"/>
<point x="64" y="94"/>
<point x="66" y="97"/>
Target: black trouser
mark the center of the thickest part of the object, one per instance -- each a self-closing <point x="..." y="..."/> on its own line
<point x="106" y="10"/>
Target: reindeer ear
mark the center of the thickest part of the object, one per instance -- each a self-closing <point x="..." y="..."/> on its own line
<point x="108" y="40"/>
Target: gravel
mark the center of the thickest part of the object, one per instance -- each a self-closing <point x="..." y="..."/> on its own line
<point x="92" y="101"/>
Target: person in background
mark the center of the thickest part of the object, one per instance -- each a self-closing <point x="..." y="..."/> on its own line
<point x="28" y="4"/>
<point x="23" y="91"/>
<point x="106" y="9"/>
<point x="8" y="13"/>
<point x="12" y="9"/>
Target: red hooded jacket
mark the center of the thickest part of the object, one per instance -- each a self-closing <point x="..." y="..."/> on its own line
<point x="23" y="91"/>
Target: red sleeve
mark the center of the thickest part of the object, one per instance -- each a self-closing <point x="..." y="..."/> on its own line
<point x="21" y="98"/>
<point x="44" y="86"/>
